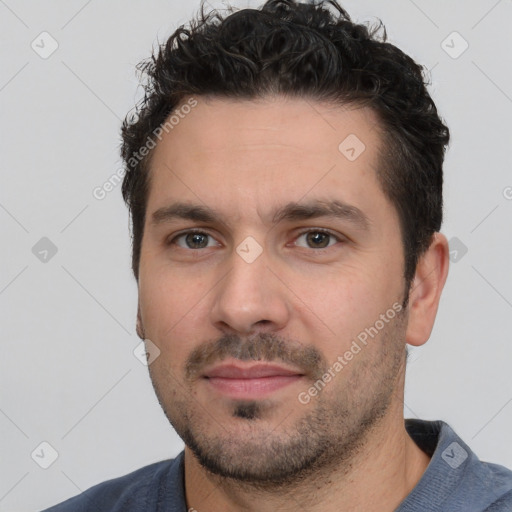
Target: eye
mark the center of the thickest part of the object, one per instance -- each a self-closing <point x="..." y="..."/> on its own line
<point x="194" y="240"/>
<point x="317" y="239"/>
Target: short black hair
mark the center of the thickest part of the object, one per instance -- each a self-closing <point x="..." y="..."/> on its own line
<point x="312" y="51"/>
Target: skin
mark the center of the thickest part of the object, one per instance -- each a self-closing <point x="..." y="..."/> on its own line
<point x="347" y="448"/>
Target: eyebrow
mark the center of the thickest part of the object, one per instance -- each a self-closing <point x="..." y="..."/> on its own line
<point x="290" y="212"/>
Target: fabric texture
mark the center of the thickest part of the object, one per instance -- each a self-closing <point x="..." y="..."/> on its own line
<point x="454" y="481"/>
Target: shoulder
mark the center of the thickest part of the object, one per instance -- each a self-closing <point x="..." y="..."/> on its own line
<point x="496" y="481"/>
<point x="503" y="504"/>
<point x="133" y="492"/>
<point x="456" y="479"/>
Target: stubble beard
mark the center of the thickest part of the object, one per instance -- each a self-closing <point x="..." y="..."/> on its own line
<point x="329" y="436"/>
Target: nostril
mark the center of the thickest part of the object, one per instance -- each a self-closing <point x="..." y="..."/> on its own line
<point x="263" y="322"/>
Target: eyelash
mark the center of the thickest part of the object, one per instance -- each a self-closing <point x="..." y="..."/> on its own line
<point x="309" y="230"/>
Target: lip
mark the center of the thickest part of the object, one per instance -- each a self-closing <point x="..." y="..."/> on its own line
<point x="251" y="371"/>
<point x="250" y="381"/>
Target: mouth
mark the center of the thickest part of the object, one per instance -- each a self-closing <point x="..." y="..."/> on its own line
<point x="250" y="381"/>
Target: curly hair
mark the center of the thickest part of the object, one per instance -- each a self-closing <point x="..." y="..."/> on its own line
<point x="311" y="51"/>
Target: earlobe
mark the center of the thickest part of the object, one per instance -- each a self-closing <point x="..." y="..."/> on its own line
<point x="426" y="288"/>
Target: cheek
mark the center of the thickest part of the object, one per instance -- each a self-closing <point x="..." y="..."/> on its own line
<point x="174" y="308"/>
<point x="166" y="295"/>
<point x="161" y="305"/>
<point x="351" y="301"/>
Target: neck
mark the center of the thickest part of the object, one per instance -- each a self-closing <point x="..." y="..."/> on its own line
<point x="377" y="478"/>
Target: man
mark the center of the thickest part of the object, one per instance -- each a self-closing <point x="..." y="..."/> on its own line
<point x="284" y="177"/>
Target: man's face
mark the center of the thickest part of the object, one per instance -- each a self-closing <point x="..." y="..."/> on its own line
<point x="262" y="301"/>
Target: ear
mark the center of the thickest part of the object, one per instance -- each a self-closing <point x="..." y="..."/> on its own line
<point x="425" y="291"/>
<point x="140" y="327"/>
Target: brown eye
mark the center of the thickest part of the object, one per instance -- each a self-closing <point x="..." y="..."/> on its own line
<point x="316" y="239"/>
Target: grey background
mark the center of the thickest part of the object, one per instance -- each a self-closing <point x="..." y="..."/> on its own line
<point x="68" y="373"/>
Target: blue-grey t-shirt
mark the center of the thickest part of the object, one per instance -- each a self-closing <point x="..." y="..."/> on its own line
<point x="454" y="481"/>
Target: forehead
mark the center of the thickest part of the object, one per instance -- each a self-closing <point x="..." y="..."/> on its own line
<point x="249" y="154"/>
<point x="297" y="123"/>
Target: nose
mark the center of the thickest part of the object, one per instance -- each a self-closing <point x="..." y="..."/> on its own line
<point x="250" y="298"/>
